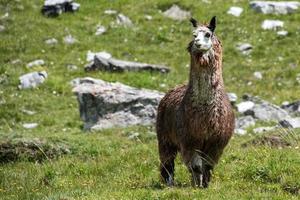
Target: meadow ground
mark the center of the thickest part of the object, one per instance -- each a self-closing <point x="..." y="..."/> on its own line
<point x="106" y="164"/>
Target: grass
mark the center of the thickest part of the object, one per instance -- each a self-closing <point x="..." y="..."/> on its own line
<point x="106" y="164"/>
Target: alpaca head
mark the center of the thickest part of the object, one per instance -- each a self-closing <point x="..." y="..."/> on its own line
<point x="203" y="36"/>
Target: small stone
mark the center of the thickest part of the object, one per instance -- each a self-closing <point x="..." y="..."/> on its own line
<point x="235" y="11"/>
<point x="272" y="24"/>
<point x="123" y="20"/>
<point x="28" y="112"/>
<point x="5" y="16"/>
<point x="32" y="80"/>
<point x="240" y="131"/>
<point x="51" y="41"/>
<point x="72" y="67"/>
<point x="282" y="33"/>
<point x="91" y="55"/>
<point x="290" y="122"/>
<point x="148" y="17"/>
<point x="245" y="48"/>
<point x="244" y="122"/>
<point x="133" y="136"/>
<point x="100" y="30"/>
<point x="263" y="129"/>
<point x="30" y="125"/>
<point x="17" y="61"/>
<point x="39" y="62"/>
<point x="232" y="97"/>
<point x="2" y="28"/>
<point x="110" y="12"/>
<point x="244" y="106"/>
<point x="176" y="13"/>
<point x="69" y="39"/>
<point x="258" y="75"/>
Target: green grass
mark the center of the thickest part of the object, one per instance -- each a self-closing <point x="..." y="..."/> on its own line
<point x="107" y="165"/>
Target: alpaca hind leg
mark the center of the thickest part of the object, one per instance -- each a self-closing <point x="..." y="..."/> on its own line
<point x="167" y="154"/>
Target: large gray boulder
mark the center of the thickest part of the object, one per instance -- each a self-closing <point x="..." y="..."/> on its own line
<point x="264" y="110"/>
<point x="53" y="8"/>
<point x="105" y="105"/>
<point x="272" y="7"/>
<point x="105" y="63"/>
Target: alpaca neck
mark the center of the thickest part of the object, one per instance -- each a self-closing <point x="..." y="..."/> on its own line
<point x="206" y="80"/>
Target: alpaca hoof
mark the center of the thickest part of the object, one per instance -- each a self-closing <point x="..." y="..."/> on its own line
<point x="170" y="181"/>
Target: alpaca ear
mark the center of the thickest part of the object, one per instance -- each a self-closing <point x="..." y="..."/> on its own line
<point x="212" y="24"/>
<point x="194" y="22"/>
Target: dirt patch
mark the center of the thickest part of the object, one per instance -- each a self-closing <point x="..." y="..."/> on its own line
<point x="292" y="189"/>
<point x="31" y="150"/>
<point x="268" y="140"/>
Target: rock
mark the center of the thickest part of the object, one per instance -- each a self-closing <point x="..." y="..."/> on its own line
<point x="39" y="62"/>
<point x="293" y="108"/>
<point x="232" y="97"/>
<point x="258" y="75"/>
<point x="28" y="112"/>
<point x="114" y="65"/>
<point x="244" y="122"/>
<point x="91" y="55"/>
<point x="5" y="16"/>
<point x="272" y="7"/>
<point x="30" y="125"/>
<point x="245" y="48"/>
<point x="244" y="106"/>
<point x="17" y="61"/>
<point x="266" y="111"/>
<point x="260" y="130"/>
<point x="282" y="33"/>
<point x="105" y="105"/>
<point x="69" y="39"/>
<point x="32" y="80"/>
<point x="148" y="17"/>
<point x="72" y="67"/>
<point x="100" y="30"/>
<point x="51" y="41"/>
<point x="176" y="13"/>
<point x="2" y="28"/>
<point x="235" y="11"/>
<point x="110" y="12"/>
<point x="240" y="131"/>
<point x="272" y="24"/>
<point x="122" y="20"/>
<point x="53" y="8"/>
<point x="290" y="122"/>
<point x="133" y="136"/>
<point x="33" y="150"/>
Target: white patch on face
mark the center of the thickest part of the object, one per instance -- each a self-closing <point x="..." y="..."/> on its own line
<point x="202" y="41"/>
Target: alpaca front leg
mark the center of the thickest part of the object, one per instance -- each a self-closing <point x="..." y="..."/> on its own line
<point x="196" y="169"/>
<point x="167" y="154"/>
<point x="200" y="170"/>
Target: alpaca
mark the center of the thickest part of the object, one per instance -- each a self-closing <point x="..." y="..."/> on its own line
<point x="196" y="119"/>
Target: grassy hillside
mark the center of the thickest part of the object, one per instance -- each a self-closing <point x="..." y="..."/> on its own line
<point x="106" y="164"/>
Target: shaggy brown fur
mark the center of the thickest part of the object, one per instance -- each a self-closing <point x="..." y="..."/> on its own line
<point x="196" y="119"/>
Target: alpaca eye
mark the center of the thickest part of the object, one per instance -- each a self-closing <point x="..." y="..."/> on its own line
<point x="207" y="35"/>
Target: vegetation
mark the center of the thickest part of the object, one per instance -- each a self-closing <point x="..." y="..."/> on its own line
<point x="108" y="165"/>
